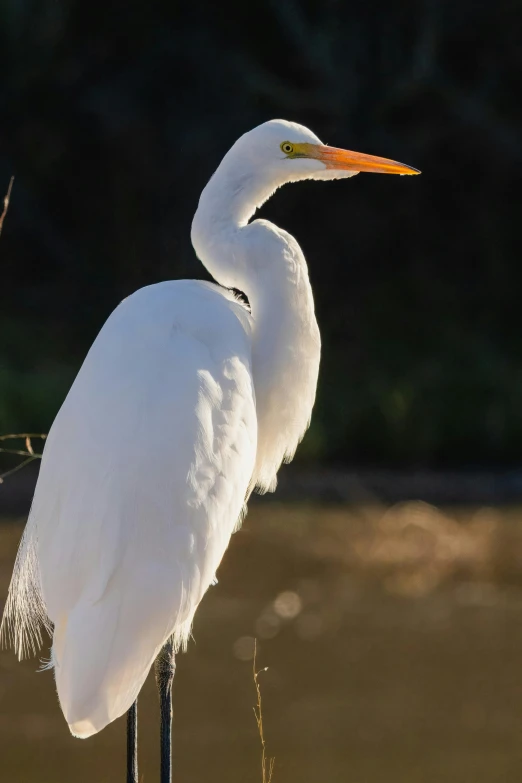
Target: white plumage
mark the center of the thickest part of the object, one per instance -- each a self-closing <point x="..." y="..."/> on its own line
<point x="184" y="404"/>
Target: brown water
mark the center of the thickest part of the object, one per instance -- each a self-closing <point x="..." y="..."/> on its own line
<point x="393" y="639"/>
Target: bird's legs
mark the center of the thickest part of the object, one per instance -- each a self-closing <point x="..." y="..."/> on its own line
<point x="164" y="669"/>
<point x="132" y="743"/>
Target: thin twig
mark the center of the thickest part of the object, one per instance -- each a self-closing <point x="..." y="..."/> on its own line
<point x="7" y="198"/>
<point x="21" y="452"/>
<point x="28" y="452"/>
<point x="16" y="468"/>
<point x="27" y="436"/>
<point x="266" y="775"/>
<point x="24" y="435"/>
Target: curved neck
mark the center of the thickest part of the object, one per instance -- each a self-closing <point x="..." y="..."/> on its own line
<point x="257" y="258"/>
<point x="267" y="264"/>
<point x="233" y="195"/>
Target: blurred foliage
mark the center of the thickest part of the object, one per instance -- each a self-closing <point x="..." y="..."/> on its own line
<point x="115" y="115"/>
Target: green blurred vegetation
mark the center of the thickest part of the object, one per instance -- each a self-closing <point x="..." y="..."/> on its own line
<point x="115" y="116"/>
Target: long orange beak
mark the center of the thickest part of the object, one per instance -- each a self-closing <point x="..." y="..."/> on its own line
<point x="334" y="158"/>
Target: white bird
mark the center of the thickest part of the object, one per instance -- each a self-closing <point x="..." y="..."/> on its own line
<point x="185" y="404"/>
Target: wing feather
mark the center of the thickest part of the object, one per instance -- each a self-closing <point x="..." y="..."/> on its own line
<point x="143" y="480"/>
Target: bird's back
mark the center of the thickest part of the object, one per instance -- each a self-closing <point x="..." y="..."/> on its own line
<point x="143" y="480"/>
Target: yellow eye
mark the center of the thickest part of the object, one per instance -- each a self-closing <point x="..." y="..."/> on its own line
<point x="287" y="147"/>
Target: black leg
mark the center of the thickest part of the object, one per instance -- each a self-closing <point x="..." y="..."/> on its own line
<point x="132" y="744"/>
<point x="165" y="668"/>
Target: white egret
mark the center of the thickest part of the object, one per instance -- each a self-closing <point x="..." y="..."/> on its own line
<point x="185" y="404"/>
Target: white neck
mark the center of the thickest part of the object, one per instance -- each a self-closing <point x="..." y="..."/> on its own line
<point x="267" y="264"/>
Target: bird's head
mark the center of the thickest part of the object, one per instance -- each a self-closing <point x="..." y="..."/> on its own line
<point x="279" y="151"/>
<point x="262" y="160"/>
<point x="258" y="163"/>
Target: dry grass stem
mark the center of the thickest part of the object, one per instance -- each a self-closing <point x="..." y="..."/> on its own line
<point x="267" y="764"/>
<point x="7" y="199"/>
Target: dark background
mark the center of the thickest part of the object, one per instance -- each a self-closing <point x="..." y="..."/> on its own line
<point x="114" y="116"/>
<point x="400" y="660"/>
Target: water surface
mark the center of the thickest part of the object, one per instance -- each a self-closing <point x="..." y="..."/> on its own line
<point x="393" y="638"/>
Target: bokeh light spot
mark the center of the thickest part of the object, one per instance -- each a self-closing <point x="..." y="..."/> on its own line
<point x="288" y="605"/>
